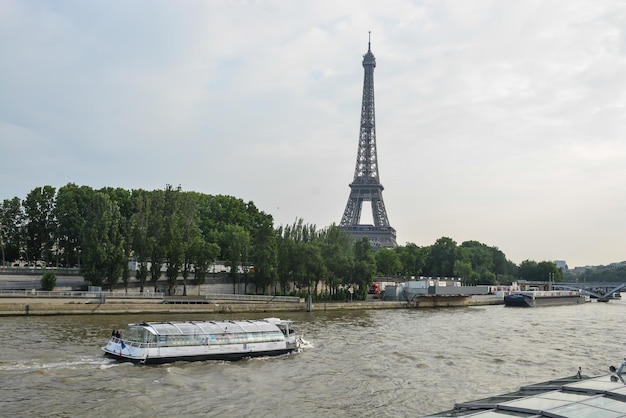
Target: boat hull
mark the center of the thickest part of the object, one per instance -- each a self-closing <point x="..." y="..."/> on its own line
<point x="197" y="357"/>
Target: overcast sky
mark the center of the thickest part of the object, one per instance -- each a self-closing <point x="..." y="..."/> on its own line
<point x="497" y="121"/>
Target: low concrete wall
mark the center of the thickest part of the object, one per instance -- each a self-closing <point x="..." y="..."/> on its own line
<point x="57" y="306"/>
<point x="19" y="307"/>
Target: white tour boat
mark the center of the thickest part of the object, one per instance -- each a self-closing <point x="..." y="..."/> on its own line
<point x="165" y="342"/>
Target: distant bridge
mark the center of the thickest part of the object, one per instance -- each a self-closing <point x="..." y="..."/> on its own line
<point x="601" y="290"/>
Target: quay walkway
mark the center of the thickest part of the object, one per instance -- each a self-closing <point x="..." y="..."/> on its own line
<point x="14" y="304"/>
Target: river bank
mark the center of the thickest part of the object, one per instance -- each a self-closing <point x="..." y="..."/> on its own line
<point x="21" y="306"/>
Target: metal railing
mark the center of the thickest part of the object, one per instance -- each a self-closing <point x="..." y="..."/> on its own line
<point x="77" y="294"/>
<point x="252" y="298"/>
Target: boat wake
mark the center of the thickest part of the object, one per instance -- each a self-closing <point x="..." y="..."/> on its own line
<point x="305" y="343"/>
<point x="34" y="366"/>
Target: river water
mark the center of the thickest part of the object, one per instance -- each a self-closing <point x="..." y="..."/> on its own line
<point x="379" y="363"/>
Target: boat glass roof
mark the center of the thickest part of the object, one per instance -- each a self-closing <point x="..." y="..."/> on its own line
<point x="208" y="327"/>
<point x="598" y="397"/>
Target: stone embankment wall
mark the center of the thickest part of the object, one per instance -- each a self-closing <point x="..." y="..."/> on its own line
<point x="33" y="307"/>
<point x="72" y="306"/>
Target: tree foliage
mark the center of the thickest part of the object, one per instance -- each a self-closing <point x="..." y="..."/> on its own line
<point x="388" y="262"/>
<point x="612" y="273"/>
<point x="364" y="266"/>
<point x="39" y="225"/>
<point x="48" y="281"/>
<point x="103" y="253"/>
<point x="176" y="234"/>
<point x="540" y="271"/>
<point x="441" y="258"/>
<point x="11" y="229"/>
<point x="70" y="212"/>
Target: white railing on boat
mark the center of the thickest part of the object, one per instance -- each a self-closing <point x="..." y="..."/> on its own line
<point x="252" y="298"/>
<point x="134" y="343"/>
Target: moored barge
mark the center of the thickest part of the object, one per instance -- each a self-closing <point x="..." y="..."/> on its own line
<point x="533" y="298"/>
<point x="166" y="342"/>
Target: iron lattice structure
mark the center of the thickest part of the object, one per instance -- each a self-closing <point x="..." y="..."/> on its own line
<point x="366" y="185"/>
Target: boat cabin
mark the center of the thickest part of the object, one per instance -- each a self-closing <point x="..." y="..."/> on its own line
<point x="194" y="333"/>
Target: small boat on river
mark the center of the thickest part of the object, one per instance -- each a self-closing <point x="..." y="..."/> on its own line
<point x="532" y="298"/>
<point x="166" y="342"/>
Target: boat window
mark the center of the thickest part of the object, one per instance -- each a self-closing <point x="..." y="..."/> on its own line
<point x="222" y="338"/>
<point x="138" y="334"/>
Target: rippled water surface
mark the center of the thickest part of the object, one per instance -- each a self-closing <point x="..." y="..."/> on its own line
<point x="359" y="363"/>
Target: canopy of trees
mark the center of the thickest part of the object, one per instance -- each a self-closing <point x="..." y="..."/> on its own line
<point x="612" y="273"/>
<point x="172" y="234"/>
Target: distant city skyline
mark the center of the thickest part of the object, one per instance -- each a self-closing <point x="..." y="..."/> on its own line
<point x="499" y="122"/>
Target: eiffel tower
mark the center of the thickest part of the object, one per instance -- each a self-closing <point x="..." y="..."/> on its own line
<point x="366" y="184"/>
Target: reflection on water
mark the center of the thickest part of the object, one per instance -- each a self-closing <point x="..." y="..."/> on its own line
<point x="359" y="363"/>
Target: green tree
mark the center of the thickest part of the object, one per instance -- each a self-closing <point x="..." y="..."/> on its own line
<point x="388" y="262"/>
<point x="548" y="271"/>
<point x="173" y="236"/>
<point x="364" y="267"/>
<point x="338" y="254"/>
<point x="463" y="269"/>
<point x="441" y="258"/>
<point x="299" y="251"/>
<point x="476" y="253"/>
<point x="141" y="249"/>
<point x="612" y="273"/>
<point x="543" y="271"/>
<point x="283" y="248"/>
<point x="203" y="255"/>
<point x="310" y="266"/>
<point x="116" y="257"/>
<point x="316" y="267"/>
<point x="235" y="241"/>
<point x="155" y="226"/>
<point x="102" y="243"/>
<point x="124" y="200"/>
<point x="40" y="223"/>
<point x="264" y="254"/>
<point x="70" y="211"/>
<point x="501" y="266"/>
<point x="413" y="259"/>
<point x="528" y="270"/>
<point x="190" y="234"/>
<point x="48" y="281"/>
<point x="11" y="229"/>
<point x="481" y="259"/>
